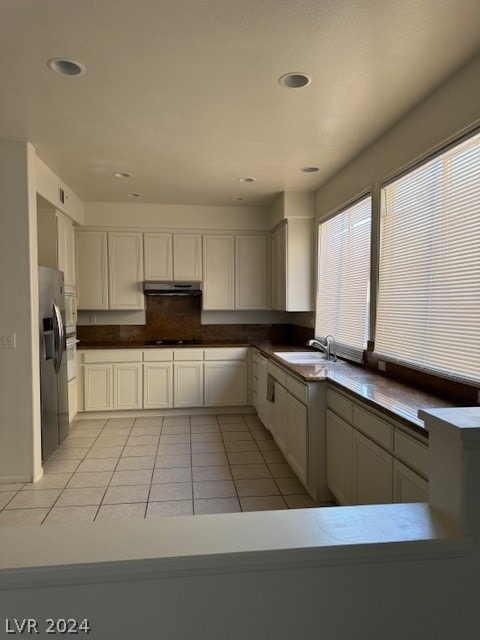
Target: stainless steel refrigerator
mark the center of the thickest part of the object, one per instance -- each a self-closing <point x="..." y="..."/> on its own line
<point x="53" y="359"/>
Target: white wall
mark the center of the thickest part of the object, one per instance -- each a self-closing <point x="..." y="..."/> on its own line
<point x="446" y="112"/>
<point x="20" y="444"/>
<point x="47" y="185"/>
<point x="175" y="216"/>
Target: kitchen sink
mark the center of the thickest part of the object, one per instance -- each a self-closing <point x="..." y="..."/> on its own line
<point x="302" y="357"/>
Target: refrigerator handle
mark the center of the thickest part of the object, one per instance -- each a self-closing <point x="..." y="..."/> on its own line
<point x="59" y="337"/>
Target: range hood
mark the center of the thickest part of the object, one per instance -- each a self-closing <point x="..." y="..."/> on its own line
<point x="155" y="288"/>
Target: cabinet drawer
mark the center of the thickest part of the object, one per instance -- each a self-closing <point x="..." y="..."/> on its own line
<point x="277" y="373"/>
<point x="226" y="353"/>
<point x="297" y="389"/>
<point x="373" y="427"/>
<point x="340" y="405"/>
<point x="411" y="452"/>
<point x="158" y="355"/>
<point x="188" y="354"/>
<point x="112" y="355"/>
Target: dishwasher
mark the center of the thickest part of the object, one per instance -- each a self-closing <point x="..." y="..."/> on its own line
<point x="263" y="408"/>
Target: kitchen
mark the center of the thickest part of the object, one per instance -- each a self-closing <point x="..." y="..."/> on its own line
<point x="446" y="116"/>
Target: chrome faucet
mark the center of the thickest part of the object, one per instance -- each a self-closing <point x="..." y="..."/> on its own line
<point x="326" y="345"/>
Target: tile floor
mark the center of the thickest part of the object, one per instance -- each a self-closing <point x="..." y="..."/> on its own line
<point x="157" y="466"/>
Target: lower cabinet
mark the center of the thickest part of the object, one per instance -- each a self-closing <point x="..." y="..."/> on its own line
<point x="158" y="385"/>
<point x="113" y="386"/>
<point x="365" y="459"/>
<point x="188" y="384"/>
<point x="98" y="385"/>
<point x="408" y="486"/>
<point x="225" y="384"/>
<point x="278" y="422"/>
<point x="372" y="472"/>
<point x="339" y="458"/>
<point x="297" y="437"/>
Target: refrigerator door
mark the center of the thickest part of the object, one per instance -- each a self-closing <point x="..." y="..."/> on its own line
<point x="53" y="361"/>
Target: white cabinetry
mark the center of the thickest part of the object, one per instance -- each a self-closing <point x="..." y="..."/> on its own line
<point x="66" y="249"/>
<point x="127" y="386"/>
<point x="251" y="272"/>
<point x="92" y="269"/>
<point x="235" y="271"/>
<point x="339" y="458"/>
<point x="98" y="385"/>
<point x="109" y="270"/>
<point x="188" y="384"/>
<point x="187" y="257"/>
<point x="372" y="472"/>
<point x="297" y="437"/>
<point x="292" y="265"/>
<point x="125" y="270"/>
<point x="297" y="423"/>
<point x="56" y="243"/>
<point x="218" y="272"/>
<point x="371" y="460"/>
<point x="225" y="377"/>
<point x="158" y="379"/>
<point x="158" y="251"/>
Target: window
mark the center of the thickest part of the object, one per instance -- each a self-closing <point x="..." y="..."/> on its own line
<point x="428" y="313"/>
<point x="343" y="279"/>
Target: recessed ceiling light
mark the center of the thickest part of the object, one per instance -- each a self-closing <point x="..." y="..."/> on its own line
<point x="294" y="80"/>
<point x="238" y="198"/>
<point x="133" y="195"/>
<point x="246" y="179"/>
<point x="309" y="169"/>
<point x="122" y="174"/>
<point x="66" y="67"/>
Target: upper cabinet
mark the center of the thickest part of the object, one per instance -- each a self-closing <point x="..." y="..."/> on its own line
<point x="158" y="253"/>
<point x="218" y="272"/>
<point x="125" y="270"/>
<point x="292" y="265"/>
<point x="251" y="272"/>
<point x="66" y="249"/>
<point x="109" y="270"/>
<point x="235" y="272"/>
<point x="56" y="243"/>
<point x="176" y="257"/>
<point x="187" y="257"/>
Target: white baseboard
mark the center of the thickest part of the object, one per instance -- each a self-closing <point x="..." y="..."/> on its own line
<point x="153" y="413"/>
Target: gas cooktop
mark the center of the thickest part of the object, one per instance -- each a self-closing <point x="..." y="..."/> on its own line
<point x="168" y="342"/>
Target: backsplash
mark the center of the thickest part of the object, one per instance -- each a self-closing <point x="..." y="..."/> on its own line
<point x="176" y="317"/>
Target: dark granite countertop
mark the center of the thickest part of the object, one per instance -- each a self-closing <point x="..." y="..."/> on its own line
<point x="394" y="399"/>
<point x="149" y="345"/>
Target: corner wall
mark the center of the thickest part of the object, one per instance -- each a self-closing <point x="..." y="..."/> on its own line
<point x="20" y="443"/>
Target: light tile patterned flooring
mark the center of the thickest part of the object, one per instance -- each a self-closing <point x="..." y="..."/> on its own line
<point x="154" y="467"/>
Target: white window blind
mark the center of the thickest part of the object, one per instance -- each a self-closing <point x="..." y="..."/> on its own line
<point x="343" y="279"/>
<point x="428" y="312"/>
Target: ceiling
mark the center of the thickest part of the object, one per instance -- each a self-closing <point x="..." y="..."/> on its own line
<point x="184" y="94"/>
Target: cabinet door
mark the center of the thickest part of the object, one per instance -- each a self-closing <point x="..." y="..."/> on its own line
<point x="92" y="270"/>
<point x="279" y="264"/>
<point x="297" y="431"/>
<point x="72" y="400"/>
<point x="187" y="257"/>
<point x="251" y="272"/>
<point x="157" y="385"/>
<point x="372" y="472"/>
<point x="278" y="422"/>
<point x="98" y="387"/>
<point x="225" y="383"/>
<point x="339" y="458"/>
<point x="158" y="253"/>
<point x="408" y="486"/>
<point x="125" y="262"/>
<point x="188" y="384"/>
<point x="66" y="249"/>
<point x="127" y="387"/>
<point x="218" y="272"/>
